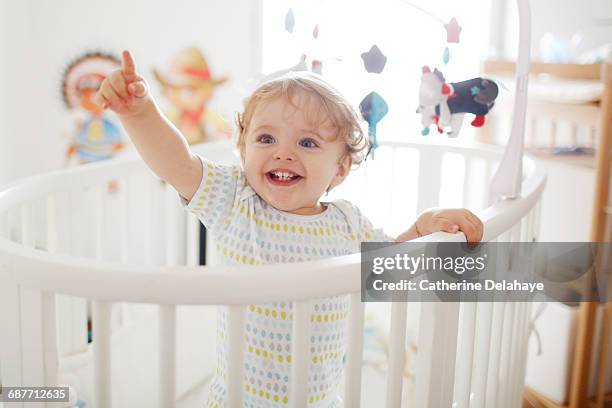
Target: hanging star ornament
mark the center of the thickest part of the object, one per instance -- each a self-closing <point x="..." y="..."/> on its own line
<point x="446" y="55"/>
<point x="289" y="21"/>
<point x="453" y="29"/>
<point x="374" y="60"/>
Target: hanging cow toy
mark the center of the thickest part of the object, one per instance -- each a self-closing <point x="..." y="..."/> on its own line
<point x="445" y="104"/>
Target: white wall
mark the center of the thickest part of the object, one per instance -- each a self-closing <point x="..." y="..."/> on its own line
<point x="3" y="77"/>
<point x="42" y="37"/>
<point x="564" y="17"/>
<point x="16" y="79"/>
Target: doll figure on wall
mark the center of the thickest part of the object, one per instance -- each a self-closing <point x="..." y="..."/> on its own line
<point x="96" y="137"/>
<point x="190" y="86"/>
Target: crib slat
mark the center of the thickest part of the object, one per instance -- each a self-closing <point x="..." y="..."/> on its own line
<point x="397" y="349"/>
<point x="193" y="239"/>
<point x="32" y="337"/>
<point x="515" y="232"/>
<point x="236" y="357"/>
<point x="487" y="184"/>
<point x="51" y="224"/>
<point x="526" y="317"/>
<point x="31" y="353"/>
<point x="437" y="353"/>
<point x="171" y="227"/>
<point x="124" y="249"/>
<point x="124" y="209"/>
<point x="463" y="376"/>
<point x="11" y="365"/>
<point x="31" y="317"/>
<point x="522" y="353"/>
<point x="101" y="321"/>
<point x="25" y="227"/>
<point x="391" y="193"/>
<point x="167" y="356"/>
<point x="513" y="353"/>
<point x="538" y="215"/>
<point x="146" y="226"/>
<point x="72" y="311"/>
<point x="468" y="181"/>
<point x="10" y="340"/>
<point x="429" y="183"/>
<point x="51" y="358"/>
<point x="484" y="316"/>
<point x="515" y="356"/>
<point x="300" y="354"/>
<point x="529" y="226"/>
<point x="505" y="354"/>
<point x="495" y="352"/>
<point x="352" y="389"/>
<point x="4" y="225"/>
<point x="99" y="222"/>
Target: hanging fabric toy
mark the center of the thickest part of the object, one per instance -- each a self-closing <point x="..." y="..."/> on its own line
<point x="373" y="108"/>
<point x="445" y="104"/>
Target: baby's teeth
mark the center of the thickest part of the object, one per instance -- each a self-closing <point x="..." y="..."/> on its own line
<point x="283" y="175"/>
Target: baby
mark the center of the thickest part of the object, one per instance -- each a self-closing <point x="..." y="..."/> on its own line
<point x="298" y="138"/>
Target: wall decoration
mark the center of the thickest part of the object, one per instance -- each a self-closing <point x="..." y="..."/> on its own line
<point x="97" y="137"/>
<point x="189" y="85"/>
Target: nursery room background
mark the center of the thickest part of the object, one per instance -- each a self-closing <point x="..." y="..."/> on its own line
<point x="49" y="49"/>
<point x="242" y="42"/>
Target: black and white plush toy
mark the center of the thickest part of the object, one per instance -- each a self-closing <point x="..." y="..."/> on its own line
<point x="445" y="104"/>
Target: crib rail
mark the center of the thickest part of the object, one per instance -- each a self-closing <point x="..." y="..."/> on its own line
<point x="38" y="268"/>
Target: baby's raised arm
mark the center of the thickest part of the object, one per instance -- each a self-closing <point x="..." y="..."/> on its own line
<point x="158" y="142"/>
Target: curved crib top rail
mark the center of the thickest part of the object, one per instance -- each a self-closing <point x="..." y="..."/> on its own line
<point x="108" y="281"/>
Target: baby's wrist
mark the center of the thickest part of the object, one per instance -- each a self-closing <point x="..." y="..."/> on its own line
<point x="421" y="225"/>
<point x="148" y="107"/>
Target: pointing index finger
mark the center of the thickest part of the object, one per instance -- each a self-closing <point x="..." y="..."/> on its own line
<point x="127" y="65"/>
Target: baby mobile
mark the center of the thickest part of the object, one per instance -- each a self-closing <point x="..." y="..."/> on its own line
<point x="440" y="102"/>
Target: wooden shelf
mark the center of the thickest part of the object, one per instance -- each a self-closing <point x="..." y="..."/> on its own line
<point x="598" y="115"/>
<point x="580" y="160"/>
<point x="533" y="399"/>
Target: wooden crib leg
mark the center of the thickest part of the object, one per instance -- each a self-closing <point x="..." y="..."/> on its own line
<point x="603" y="356"/>
<point x="582" y="355"/>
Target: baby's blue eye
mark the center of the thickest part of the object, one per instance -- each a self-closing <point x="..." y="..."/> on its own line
<point x="309" y="143"/>
<point x="267" y="139"/>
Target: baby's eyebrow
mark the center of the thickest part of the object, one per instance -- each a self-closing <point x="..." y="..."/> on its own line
<point x="264" y="127"/>
<point x="311" y="132"/>
<point x="329" y="138"/>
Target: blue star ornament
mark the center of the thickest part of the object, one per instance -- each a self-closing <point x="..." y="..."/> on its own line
<point x="374" y="60"/>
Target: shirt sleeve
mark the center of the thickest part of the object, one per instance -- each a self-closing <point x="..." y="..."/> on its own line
<point x="216" y="194"/>
<point x="366" y="232"/>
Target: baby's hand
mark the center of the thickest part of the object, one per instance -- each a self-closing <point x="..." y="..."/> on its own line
<point x="451" y="220"/>
<point x="124" y="91"/>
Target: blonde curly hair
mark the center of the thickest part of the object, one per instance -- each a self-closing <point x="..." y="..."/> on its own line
<point x="324" y="103"/>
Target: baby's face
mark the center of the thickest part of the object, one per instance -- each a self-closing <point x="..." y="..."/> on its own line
<point x="289" y="164"/>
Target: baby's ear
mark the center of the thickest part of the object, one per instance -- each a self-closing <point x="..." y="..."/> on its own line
<point x="344" y="166"/>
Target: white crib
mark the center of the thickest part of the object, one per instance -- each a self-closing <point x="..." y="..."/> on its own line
<point x="65" y="241"/>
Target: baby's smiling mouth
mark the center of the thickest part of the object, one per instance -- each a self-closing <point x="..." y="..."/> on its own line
<point x="283" y="177"/>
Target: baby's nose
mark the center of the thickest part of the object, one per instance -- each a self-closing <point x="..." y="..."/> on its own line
<point x="284" y="154"/>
